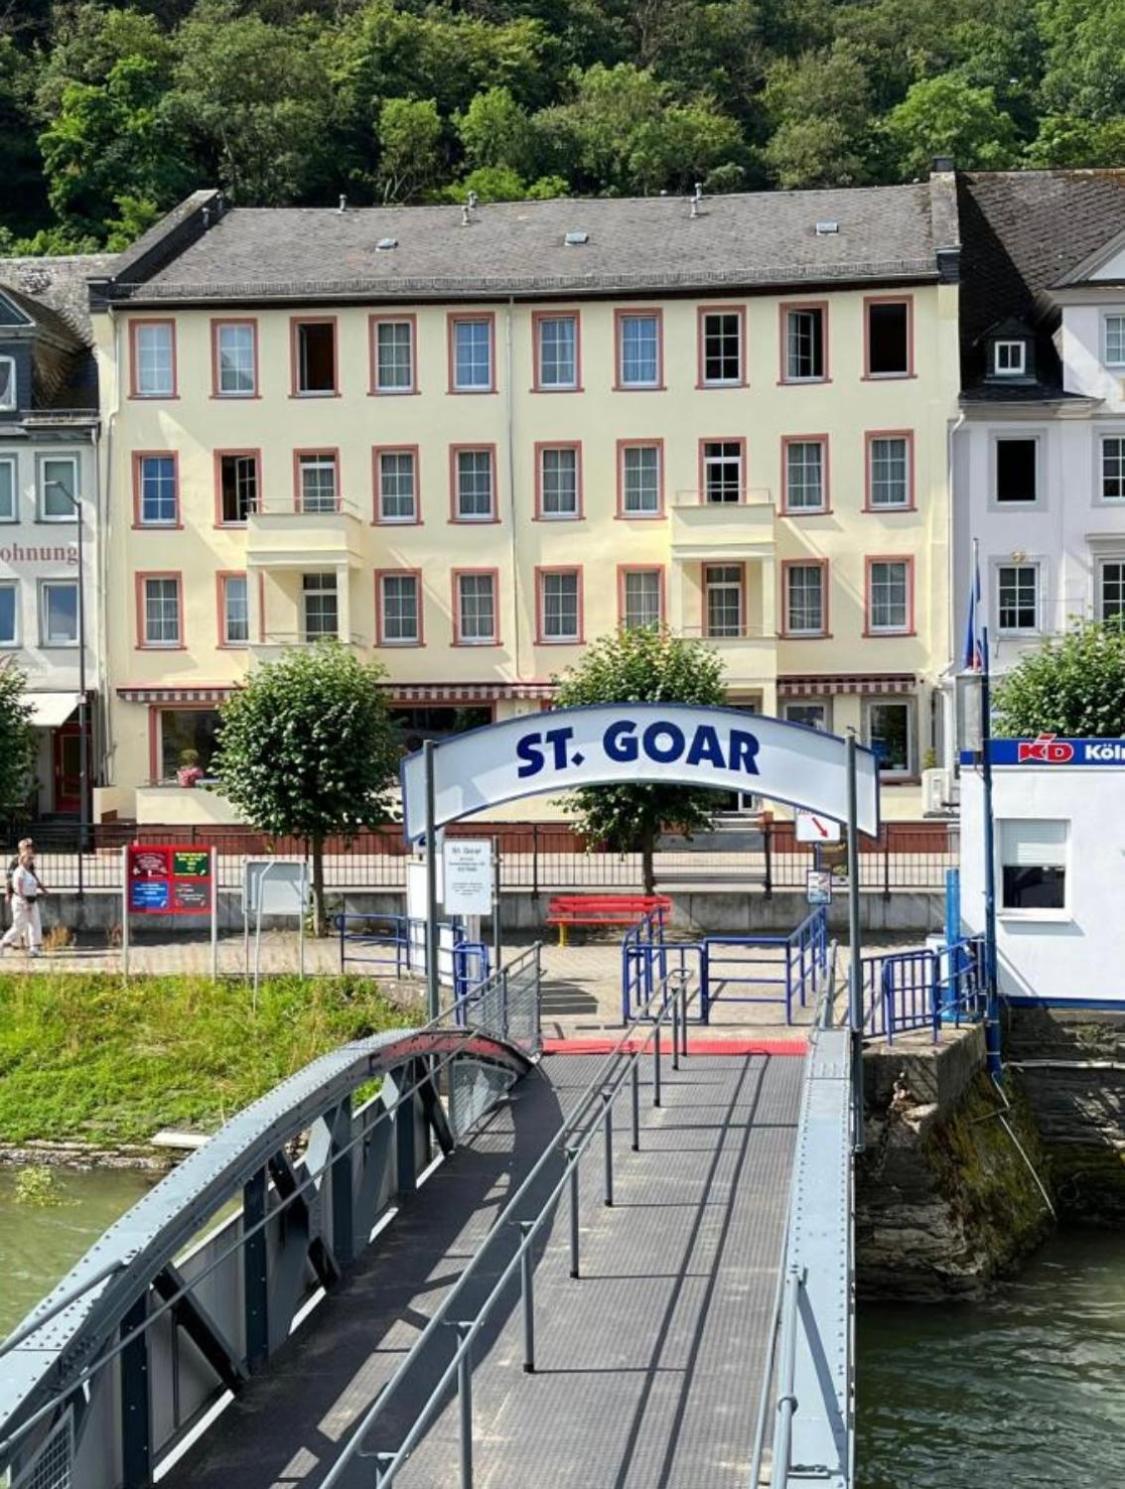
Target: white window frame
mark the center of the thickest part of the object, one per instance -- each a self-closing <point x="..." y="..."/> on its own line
<point x="723" y="586"/>
<point x="1034" y="564"/>
<point x="565" y="353"/>
<point x="655" y="573"/>
<point x="1100" y="496"/>
<point x="227" y="580"/>
<point x="10" y="463"/>
<point x="11" y="401"/>
<point x="806" y="377"/>
<point x="416" y="638"/>
<point x="45" y="588"/>
<point x="1005" y="436"/>
<point x="790" y="628"/>
<point x="559" y="515"/>
<point x="142" y="520"/>
<point x="164" y="643"/>
<point x="1006" y="829"/>
<point x="637" y="316"/>
<point x="1100" y="562"/>
<point x="408" y="519"/>
<point x="41" y="464"/>
<point x="722" y="382"/>
<point x="320" y="588"/>
<point x="459" y="514"/>
<point x="560" y="638"/>
<point x="806" y="507"/>
<point x="14" y="643"/>
<point x="908" y="581"/>
<point x="463" y="639"/>
<point x="308" y="464"/>
<point x="139" y="331"/>
<point x="907" y="473"/>
<point x="793" y="705"/>
<point x="716" y="463"/>
<point x="302" y="368"/>
<point x="1119" y="317"/>
<point x="641" y="447"/>
<point x="249" y="329"/>
<point x="911" y="734"/>
<point x="487" y="326"/>
<point x="391" y="390"/>
<point x="1016" y="351"/>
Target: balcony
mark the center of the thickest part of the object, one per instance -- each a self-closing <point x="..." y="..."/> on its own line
<point x="284" y="536"/>
<point x="710" y="530"/>
<point x="749" y="653"/>
<point x="273" y="643"/>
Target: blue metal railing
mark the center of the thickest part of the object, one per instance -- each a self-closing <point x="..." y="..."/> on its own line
<point x="644" y="963"/>
<point x="796" y="964"/>
<point x="923" y="989"/>
<point x="396" y="946"/>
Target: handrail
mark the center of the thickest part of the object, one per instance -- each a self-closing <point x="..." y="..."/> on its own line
<point x="463" y="1036"/>
<point x="605" y="1085"/>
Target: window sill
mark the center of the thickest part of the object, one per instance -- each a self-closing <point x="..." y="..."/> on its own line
<point x="154" y="397"/>
<point x="472" y="392"/>
<point x="888" y="635"/>
<point x="473" y="522"/>
<point x="237" y="526"/>
<point x="719" y="387"/>
<point x="396" y="522"/>
<point x="160" y="646"/>
<point x="230" y="645"/>
<point x="1031" y="917"/>
<point x="643" y="516"/>
<point x="804" y="635"/>
<point x="804" y="512"/>
<point x="234" y="397"/>
<point x="157" y="527"/>
<point x="803" y="382"/>
<point x="476" y="645"/>
<point x="314" y="396"/>
<point x="892" y="510"/>
<point x="400" y="645"/>
<point x="42" y="521"/>
<point x="577" y="389"/>
<point x="393" y="392"/>
<point x="888" y="377"/>
<point x="559" y="641"/>
<point x="640" y="388"/>
<point x="559" y="517"/>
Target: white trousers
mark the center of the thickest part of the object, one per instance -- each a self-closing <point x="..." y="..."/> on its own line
<point x="25" y="922"/>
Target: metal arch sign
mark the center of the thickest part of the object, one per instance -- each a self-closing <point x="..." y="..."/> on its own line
<point x="639" y="743"/>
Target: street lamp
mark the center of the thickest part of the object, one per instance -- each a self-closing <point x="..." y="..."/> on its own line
<point x="83" y="740"/>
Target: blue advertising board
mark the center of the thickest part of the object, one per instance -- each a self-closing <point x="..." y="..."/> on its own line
<point x="1049" y="749"/>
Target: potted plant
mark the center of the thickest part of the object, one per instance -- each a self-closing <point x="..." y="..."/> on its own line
<point x="190" y="772"/>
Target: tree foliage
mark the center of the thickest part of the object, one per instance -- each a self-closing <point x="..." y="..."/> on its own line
<point x="110" y="110"/>
<point x="17" y="738"/>
<point x="306" y="748"/>
<point x="645" y="665"/>
<point x="1074" y="685"/>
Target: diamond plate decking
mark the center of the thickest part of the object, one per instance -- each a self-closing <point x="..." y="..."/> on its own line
<point x="648" y="1366"/>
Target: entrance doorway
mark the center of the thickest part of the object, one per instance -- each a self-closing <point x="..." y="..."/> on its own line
<point x="66" y="753"/>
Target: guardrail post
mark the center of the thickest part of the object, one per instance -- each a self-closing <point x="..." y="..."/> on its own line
<point x="527" y="1288"/>
<point x="607" y="1129"/>
<point x="675" y="1031"/>
<point x="136" y="1410"/>
<point x="767" y="845"/>
<point x="572" y="1167"/>
<point x="886" y="861"/>
<point x="683" y="1015"/>
<point x="504" y="1001"/>
<point x="383" y="1480"/>
<point x="255" y="1278"/>
<point x="465" y="1401"/>
<point x="656" y="1066"/>
<point x="342" y="921"/>
<point x="535" y="860"/>
<point x="635" y="1082"/>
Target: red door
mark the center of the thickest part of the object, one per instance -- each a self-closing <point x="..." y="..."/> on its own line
<point x="68" y="775"/>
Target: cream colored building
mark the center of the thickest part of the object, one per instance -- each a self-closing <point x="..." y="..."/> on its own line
<point x="470" y="441"/>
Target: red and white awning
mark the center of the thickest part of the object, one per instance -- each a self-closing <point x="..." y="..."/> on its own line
<point x="214" y="694"/>
<point x="868" y="684"/>
<point x="471" y="693"/>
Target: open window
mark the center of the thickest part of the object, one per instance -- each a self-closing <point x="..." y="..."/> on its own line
<point x="1033" y="864"/>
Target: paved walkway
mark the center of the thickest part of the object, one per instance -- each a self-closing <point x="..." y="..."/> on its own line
<point x="647" y="1368"/>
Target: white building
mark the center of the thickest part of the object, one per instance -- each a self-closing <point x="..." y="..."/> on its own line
<point x="48" y="475"/>
<point x="1059" y="841"/>
<point x="1039" y="450"/>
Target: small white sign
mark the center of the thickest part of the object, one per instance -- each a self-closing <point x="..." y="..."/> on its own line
<point x="282" y="885"/>
<point x="813" y="828"/>
<point x="468" y="876"/>
<point x="818" y="889"/>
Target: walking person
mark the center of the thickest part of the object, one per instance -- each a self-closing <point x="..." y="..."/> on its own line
<point x="25" y="889"/>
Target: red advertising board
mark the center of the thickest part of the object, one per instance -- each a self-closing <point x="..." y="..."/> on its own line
<point x="169" y="879"/>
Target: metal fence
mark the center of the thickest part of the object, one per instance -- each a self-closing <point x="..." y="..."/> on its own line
<point x="923" y="989"/>
<point x="540" y="858"/>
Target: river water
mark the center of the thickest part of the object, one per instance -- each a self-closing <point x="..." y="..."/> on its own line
<point x="1021" y="1392"/>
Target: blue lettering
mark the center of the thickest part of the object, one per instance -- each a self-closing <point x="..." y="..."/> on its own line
<point x="743" y="749"/>
<point x="527" y="749"/>
<point x="618" y="741"/>
<point x="558" y="738"/>
<point x="706" y="747"/>
<point x="664" y="754"/>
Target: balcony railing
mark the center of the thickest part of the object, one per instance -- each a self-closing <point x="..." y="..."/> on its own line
<point x="285" y="534"/>
<point x="278" y="641"/>
<point x="732" y="633"/>
<point x="748" y="496"/>
<point x="273" y="505"/>
<point x="703" y="529"/>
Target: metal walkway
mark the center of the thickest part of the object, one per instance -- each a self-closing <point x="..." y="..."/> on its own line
<point x="647" y="1366"/>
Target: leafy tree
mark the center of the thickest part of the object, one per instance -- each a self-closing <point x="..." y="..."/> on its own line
<point x="1074" y="685"/>
<point x="499" y="183"/>
<point x="1064" y="140"/>
<point x="820" y="105"/>
<point x="306" y="749"/>
<point x="410" y="148"/>
<point x="1086" y="44"/>
<point x="496" y="131"/>
<point x="948" y="116"/>
<point x="17" y="738"/>
<point x="646" y="665"/>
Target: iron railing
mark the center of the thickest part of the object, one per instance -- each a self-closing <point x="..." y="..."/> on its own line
<point x="592" y="1114"/>
<point x="924" y="988"/>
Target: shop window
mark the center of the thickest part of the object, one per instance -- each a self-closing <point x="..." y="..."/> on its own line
<point x="811" y="715"/>
<point x="415" y="725"/>
<point x="1033" y="864"/>
<point x="188" y="736"/>
<point x="890" y="735"/>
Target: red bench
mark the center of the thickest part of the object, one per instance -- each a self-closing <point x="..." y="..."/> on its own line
<point x="602" y="909"/>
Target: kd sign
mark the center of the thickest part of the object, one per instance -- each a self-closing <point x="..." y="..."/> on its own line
<point x="631" y="743"/>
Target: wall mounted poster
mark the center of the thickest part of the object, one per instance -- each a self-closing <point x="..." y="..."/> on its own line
<point x="165" y="879"/>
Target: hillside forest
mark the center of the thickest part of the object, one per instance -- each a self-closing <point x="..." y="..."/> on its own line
<point x="111" y="113"/>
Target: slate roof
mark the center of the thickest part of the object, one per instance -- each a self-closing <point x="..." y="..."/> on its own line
<point x="54" y="292"/>
<point x="1022" y="232"/>
<point x="635" y="245"/>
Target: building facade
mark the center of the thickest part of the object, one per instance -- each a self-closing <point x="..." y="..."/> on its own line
<point x="1039" y="454"/>
<point x="49" y="606"/>
<point x="469" y="441"/>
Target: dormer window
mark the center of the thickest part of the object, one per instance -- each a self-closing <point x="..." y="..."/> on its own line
<point x="1010" y="358"/>
<point x="7" y="382"/>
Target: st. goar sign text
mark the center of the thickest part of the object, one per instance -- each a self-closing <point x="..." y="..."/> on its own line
<point x="653" y="743"/>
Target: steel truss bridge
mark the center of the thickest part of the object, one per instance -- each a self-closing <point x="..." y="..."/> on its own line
<point x="433" y="1259"/>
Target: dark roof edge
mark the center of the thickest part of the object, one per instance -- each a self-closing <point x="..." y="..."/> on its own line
<point x="165" y="240"/>
<point x="945" y="222"/>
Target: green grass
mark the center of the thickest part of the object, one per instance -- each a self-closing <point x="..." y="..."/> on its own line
<point x="99" y="1060"/>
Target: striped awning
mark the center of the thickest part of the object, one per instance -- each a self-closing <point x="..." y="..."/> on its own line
<point x="213" y="694"/>
<point x="868" y="684"/>
<point x="467" y="693"/>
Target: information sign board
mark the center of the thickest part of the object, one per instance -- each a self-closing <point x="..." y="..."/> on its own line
<point x="467" y="864"/>
<point x="818" y="890"/>
<point x="813" y="828"/>
<point x="165" y="879"/>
